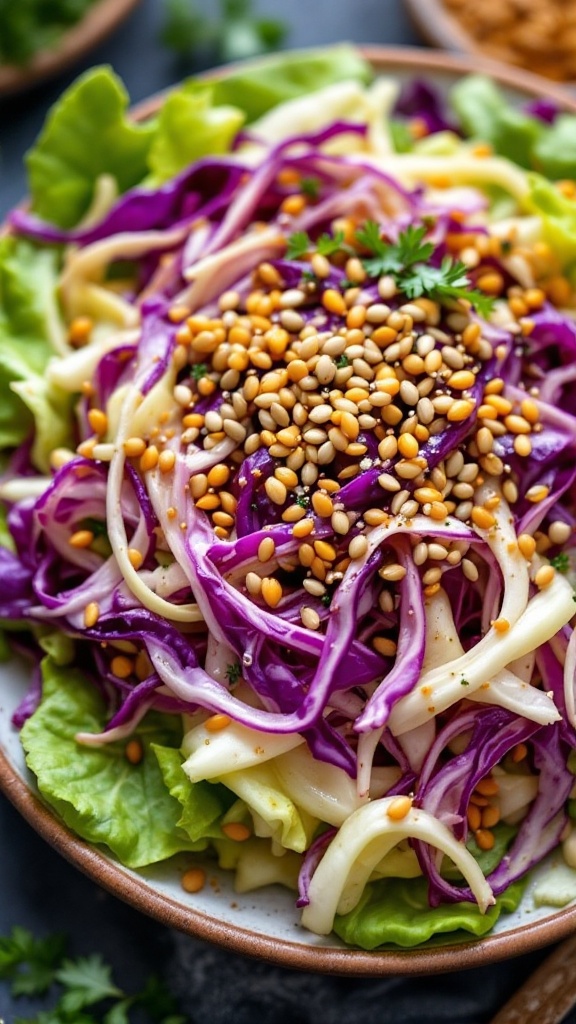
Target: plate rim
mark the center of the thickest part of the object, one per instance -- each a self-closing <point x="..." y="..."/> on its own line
<point x="124" y="884"/>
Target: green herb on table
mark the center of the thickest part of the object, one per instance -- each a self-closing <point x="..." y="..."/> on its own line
<point x="237" y="33"/>
<point x="80" y="990"/>
<point x="27" y="26"/>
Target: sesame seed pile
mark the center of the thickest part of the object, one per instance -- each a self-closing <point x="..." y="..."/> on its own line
<point x="330" y="382"/>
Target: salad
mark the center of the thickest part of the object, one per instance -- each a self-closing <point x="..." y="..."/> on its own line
<point x="288" y="486"/>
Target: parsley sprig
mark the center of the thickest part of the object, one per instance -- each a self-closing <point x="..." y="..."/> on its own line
<point x="87" y="993"/>
<point x="407" y="262"/>
<point x="300" y="243"/>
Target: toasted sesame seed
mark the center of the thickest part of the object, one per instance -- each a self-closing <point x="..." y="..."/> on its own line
<point x="537" y="493"/>
<point x="266" y="549"/>
<point x="399" y="807"/>
<point x="81" y="539"/>
<point x="91" y="614"/>
<point x="482" y="518"/>
<point x="310" y="617"/>
<point x="559" y="532"/>
<point x="271" y="591"/>
<point x="392" y="572"/>
<point x="358" y="546"/>
<point x="544" y="576"/>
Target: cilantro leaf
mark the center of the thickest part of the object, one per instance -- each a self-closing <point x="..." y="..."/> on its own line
<point x="389" y="257"/>
<point x="29" y="963"/>
<point x="407" y="261"/>
<point x="298" y="245"/>
<point x="87" y="980"/>
<point x="327" y="245"/>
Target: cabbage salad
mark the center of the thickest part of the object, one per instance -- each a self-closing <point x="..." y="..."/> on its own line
<point x="289" y="439"/>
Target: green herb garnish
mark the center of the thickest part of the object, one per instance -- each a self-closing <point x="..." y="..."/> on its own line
<point x="298" y="245"/>
<point x="561" y="562"/>
<point x="87" y="992"/>
<point x="199" y="370"/>
<point x="406" y="261"/>
<point x="310" y="187"/>
<point x="233" y="673"/>
<point x="464" y="682"/>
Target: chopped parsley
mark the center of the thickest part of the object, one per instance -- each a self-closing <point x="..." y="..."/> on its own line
<point x="310" y="187"/>
<point x="298" y="245"/>
<point x="464" y="682"/>
<point x="342" y="361"/>
<point x="303" y="501"/>
<point x="561" y="562"/>
<point x="329" y="245"/>
<point x="199" y="370"/>
<point x="233" y="673"/>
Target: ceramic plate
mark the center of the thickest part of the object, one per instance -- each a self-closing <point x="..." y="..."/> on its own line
<point x="265" y="923"/>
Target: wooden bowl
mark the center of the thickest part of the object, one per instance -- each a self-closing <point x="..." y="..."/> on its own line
<point x="100" y="20"/>
<point x="265" y="923"/>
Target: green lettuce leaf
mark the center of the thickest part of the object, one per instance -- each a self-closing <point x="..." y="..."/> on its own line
<point x="189" y="127"/>
<point x="98" y="793"/>
<point x="484" y="113"/>
<point x="287" y="75"/>
<point x="396" y="911"/>
<point x="30" y="323"/>
<point x="86" y="134"/>
<point x="555" y="150"/>
<point x="202" y="803"/>
<point x="558" y="214"/>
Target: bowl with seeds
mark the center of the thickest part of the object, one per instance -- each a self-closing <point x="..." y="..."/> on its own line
<point x="288" y="533"/>
<point x="525" y="33"/>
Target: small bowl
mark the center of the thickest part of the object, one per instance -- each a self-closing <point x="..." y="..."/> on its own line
<point x="99" y="21"/>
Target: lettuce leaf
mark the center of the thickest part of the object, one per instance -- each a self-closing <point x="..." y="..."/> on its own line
<point x="202" y="803"/>
<point x="396" y="911"/>
<point x="98" y="793"/>
<point x="558" y="214"/>
<point x="190" y="127"/>
<point x="270" y="81"/>
<point x="555" y="150"/>
<point x="30" y="323"/>
<point x="86" y="134"/>
<point x="484" y="113"/>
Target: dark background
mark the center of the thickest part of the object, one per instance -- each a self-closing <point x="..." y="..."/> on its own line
<point x="39" y="889"/>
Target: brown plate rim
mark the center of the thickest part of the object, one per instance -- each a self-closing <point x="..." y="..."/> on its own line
<point x="327" y="960"/>
<point x="98" y="22"/>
